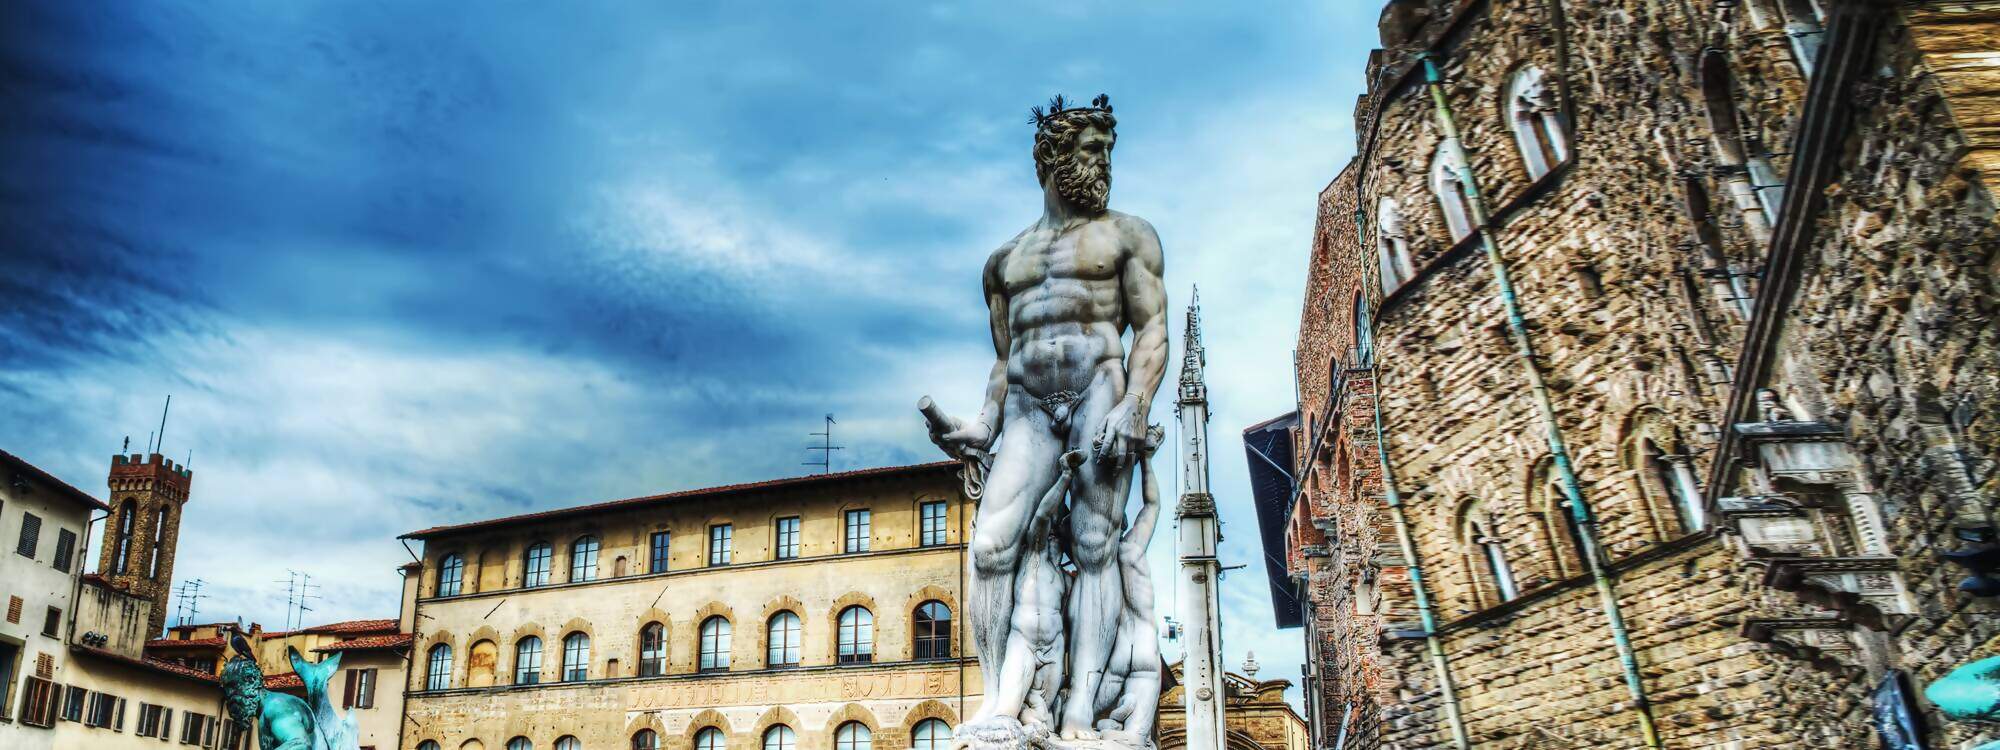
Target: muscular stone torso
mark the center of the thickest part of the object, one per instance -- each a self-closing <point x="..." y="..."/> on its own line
<point x="1065" y="310"/>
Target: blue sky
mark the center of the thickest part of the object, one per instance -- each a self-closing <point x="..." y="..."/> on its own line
<point x="403" y="264"/>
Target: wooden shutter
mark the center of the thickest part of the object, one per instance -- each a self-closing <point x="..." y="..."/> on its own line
<point x="368" y="691"/>
<point x="347" y="691"/>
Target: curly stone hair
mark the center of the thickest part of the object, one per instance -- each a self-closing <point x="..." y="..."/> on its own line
<point x="1057" y="130"/>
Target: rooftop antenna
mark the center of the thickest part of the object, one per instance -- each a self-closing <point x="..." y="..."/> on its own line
<point x="163" y="424"/>
<point x="187" y="601"/>
<point x="825" y="448"/>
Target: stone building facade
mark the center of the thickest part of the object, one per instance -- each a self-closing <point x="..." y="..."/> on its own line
<point x="1536" y="501"/>
<point x="1255" y="714"/>
<point x="815" y="613"/>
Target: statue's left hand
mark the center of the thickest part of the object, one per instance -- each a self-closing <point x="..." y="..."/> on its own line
<point x="1124" y="432"/>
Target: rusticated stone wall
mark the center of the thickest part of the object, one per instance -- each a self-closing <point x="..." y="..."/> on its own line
<point x="1635" y="260"/>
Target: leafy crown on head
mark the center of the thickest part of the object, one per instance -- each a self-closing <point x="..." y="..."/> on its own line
<point x="1059" y="105"/>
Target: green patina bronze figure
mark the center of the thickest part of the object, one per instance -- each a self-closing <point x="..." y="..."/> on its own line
<point x="1970" y="693"/>
<point x="286" y="722"/>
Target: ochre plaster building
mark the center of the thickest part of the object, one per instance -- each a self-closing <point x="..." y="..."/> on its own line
<point x="1690" y="472"/>
<point x="816" y="612"/>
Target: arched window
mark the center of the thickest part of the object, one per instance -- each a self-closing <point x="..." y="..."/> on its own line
<point x="567" y="742"/>
<point x="645" y="739"/>
<point x="583" y="559"/>
<point x="528" y="661"/>
<point x="853" y="735"/>
<point x="536" y="573"/>
<point x="931" y="734"/>
<point x="1392" y="246"/>
<point x="1673" y="475"/>
<point x="121" y="560"/>
<point x="714" y="644"/>
<point x="1453" y="195"/>
<point x="931" y="638"/>
<point x="1536" y="121"/>
<point x="451" y="573"/>
<point x="1483" y="543"/>
<point x="857" y="636"/>
<point x="1364" y="334"/>
<point x="780" y="737"/>
<point x="159" y="542"/>
<point x="427" y="745"/>
<point x="1559" y="529"/>
<point x="576" y="657"/>
<point x="520" y="743"/>
<point x="709" y="738"/>
<point x="782" y="640"/>
<point x="652" y="650"/>
<point x="1753" y="183"/>
<point x="437" y="672"/>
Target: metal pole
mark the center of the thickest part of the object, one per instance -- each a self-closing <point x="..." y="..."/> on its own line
<point x="1558" y="450"/>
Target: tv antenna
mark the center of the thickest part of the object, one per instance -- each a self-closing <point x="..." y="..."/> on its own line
<point x="825" y="447"/>
<point x="299" y="589"/>
<point x="187" y="601"/>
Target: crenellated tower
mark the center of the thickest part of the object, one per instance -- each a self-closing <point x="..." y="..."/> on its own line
<point x="140" y="537"/>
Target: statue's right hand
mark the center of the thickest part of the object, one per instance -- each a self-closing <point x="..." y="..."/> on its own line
<point x="975" y="435"/>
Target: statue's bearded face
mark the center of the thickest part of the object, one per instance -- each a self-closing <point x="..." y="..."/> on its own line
<point x="1083" y="175"/>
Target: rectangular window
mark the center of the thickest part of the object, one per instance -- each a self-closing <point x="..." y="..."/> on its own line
<point x="149" y="720"/>
<point x="932" y="526"/>
<point x="31" y="535"/>
<point x="72" y="709"/>
<point x="194" y="728"/>
<point x="10" y="655"/>
<point x="52" y="623"/>
<point x="104" y="711"/>
<point x="662" y="546"/>
<point x="38" y="703"/>
<point x="364" y="688"/>
<point x="858" y="526"/>
<point x="65" y="549"/>
<point x="788" y="538"/>
<point x="721" y="547"/>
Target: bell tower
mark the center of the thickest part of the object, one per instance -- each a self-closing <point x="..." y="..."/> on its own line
<point x="140" y="537"/>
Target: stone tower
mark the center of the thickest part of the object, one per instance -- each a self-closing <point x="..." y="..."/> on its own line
<point x="140" y="537"/>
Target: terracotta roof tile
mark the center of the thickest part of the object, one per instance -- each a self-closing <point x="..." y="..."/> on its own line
<point x="286" y="681"/>
<point x="727" y="489"/>
<point x="153" y="664"/>
<point x="367" y="642"/>
<point x="353" y="626"/>
<point x="173" y="643"/>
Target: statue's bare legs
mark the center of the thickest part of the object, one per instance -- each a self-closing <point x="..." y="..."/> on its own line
<point x="1024" y="468"/>
<point x="1097" y="516"/>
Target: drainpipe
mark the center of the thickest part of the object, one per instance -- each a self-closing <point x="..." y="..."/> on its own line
<point x="1404" y="541"/>
<point x="1558" y="450"/>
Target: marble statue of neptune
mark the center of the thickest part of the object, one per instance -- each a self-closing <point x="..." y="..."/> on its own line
<point x="1066" y="404"/>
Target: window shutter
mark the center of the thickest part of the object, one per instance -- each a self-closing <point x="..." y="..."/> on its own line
<point x="368" y="695"/>
<point x="347" y="689"/>
<point x="31" y="534"/>
<point x="166" y="723"/>
<point x="65" y="549"/>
